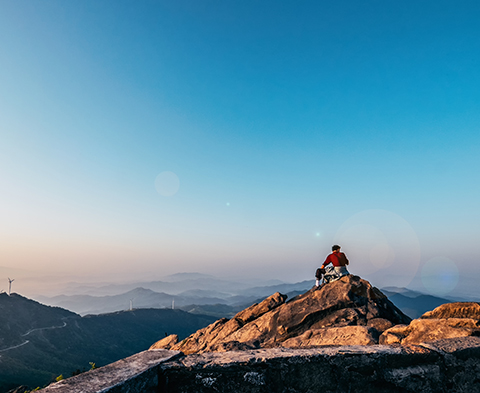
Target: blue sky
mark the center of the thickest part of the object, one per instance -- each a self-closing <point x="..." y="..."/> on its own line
<point x="289" y="126"/>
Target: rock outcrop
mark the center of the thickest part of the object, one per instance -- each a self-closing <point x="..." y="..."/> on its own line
<point x="347" y="311"/>
<point x="451" y="320"/>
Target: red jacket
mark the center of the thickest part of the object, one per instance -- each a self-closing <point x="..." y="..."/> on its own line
<point x="337" y="259"/>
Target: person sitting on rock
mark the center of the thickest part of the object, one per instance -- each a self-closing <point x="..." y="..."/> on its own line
<point x="338" y="260"/>
<point x="318" y="276"/>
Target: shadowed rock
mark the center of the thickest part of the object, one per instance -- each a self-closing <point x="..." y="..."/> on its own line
<point x="356" y="311"/>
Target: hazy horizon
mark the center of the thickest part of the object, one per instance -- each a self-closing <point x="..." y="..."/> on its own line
<point x="33" y="284"/>
<point x="241" y="139"/>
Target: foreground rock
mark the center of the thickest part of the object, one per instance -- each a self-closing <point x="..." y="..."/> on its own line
<point x="444" y="366"/>
<point x="450" y="365"/>
<point x="451" y="320"/>
<point x="356" y="311"/>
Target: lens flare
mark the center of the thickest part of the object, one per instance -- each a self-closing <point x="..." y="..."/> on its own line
<point x="440" y="276"/>
<point x="381" y="246"/>
<point x="382" y="255"/>
<point x="167" y="184"/>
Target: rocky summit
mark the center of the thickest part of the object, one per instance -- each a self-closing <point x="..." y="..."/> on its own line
<point x="349" y="311"/>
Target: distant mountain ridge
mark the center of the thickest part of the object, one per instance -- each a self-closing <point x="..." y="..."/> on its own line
<point x="198" y="293"/>
<point x="414" y="303"/>
<point x="201" y="293"/>
<point x="173" y="284"/>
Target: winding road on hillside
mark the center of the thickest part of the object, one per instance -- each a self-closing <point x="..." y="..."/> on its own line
<point x="31" y="331"/>
<point x="15" y="346"/>
<point x="45" y="328"/>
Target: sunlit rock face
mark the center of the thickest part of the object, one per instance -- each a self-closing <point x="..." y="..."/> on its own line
<point x="348" y="311"/>
<point x="451" y="320"/>
<point x="469" y="310"/>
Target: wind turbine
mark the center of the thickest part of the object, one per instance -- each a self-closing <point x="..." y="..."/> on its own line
<point x="131" y="304"/>
<point x="10" y="285"/>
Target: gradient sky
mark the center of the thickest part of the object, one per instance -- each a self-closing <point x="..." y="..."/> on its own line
<point x="241" y="138"/>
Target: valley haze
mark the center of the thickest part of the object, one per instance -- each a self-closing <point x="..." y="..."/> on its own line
<point x="206" y="294"/>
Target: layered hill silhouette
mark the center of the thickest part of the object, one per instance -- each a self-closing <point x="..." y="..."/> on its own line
<point x="207" y="295"/>
<point x="196" y="299"/>
<point x="345" y="312"/>
<point x="414" y="303"/>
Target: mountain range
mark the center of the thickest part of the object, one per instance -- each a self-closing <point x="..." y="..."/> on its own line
<point x="192" y="294"/>
<point x="414" y="303"/>
<point x="39" y="342"/>
<point x="208" y="295"/>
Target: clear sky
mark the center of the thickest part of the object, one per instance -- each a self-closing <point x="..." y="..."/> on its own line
<point x="241" y="138"/>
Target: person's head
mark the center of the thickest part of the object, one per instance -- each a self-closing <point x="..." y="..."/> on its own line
<point x="335" y="248"/>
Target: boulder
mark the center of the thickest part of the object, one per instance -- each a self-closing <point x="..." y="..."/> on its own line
<point x="257" y="310"/>
<point x="451" y="320"/>
<point x="380" y="324"/>
<point x="166" y="343"/>
<point x="469" y="310"/>
<point x="394" y="335"/>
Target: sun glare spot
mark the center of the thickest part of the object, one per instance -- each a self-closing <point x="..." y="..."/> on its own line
<point x="381" y="246"/>
<point x="167" y="183"/>
<point x="440" y="276"/>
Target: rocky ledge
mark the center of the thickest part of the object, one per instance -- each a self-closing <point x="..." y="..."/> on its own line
<point x="444" y="366"/>
<point x="451" y="365"/>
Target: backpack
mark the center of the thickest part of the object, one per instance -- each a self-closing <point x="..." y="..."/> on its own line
<point x="330" y="274"/>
